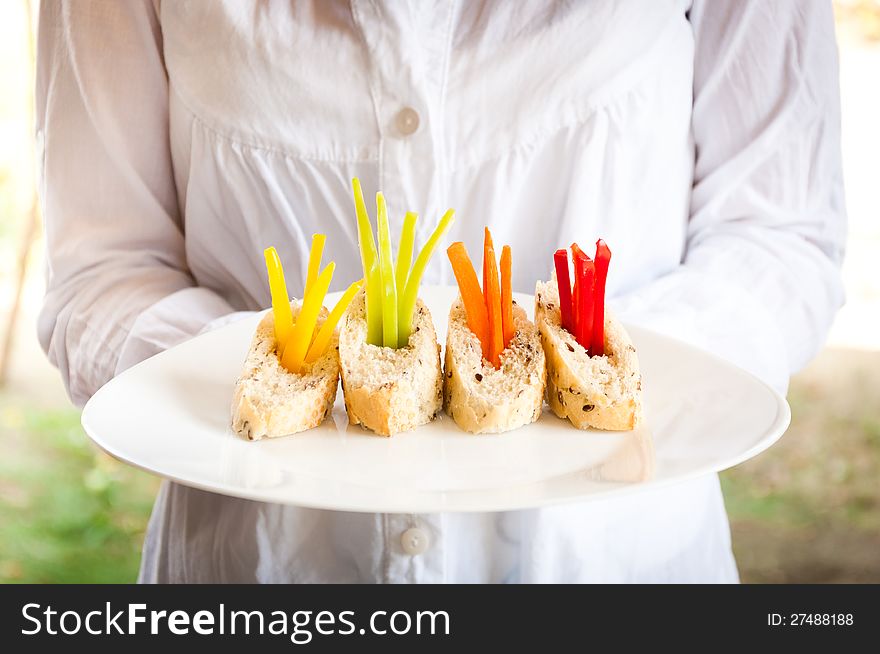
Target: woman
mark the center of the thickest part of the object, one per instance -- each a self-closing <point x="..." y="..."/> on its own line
<point x="180" y="139"/>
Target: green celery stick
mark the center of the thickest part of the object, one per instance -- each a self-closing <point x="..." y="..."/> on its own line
<point x="374" y="290"/>
<point x="386" y="274"/>
<point x="404" y="251"/>
<point x="408" y="302"/>
<point x="369" y="263"/>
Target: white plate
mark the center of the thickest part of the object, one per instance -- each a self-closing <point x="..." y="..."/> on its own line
<point x="170" y="415"/>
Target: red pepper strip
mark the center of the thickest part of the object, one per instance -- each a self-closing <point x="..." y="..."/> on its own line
<point x="575" y="301"/>
<point x="560" y="258"/>
<point x="584" y="275"/>
<point x="603" y="258"/>
<point x="588" y="302"/>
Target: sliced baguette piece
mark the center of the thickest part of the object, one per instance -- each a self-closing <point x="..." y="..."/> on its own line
<point x="390" y="391"/>
<point x="269" y="401"/>
<point x="481" y="399"/>
<point x="592" y="392"/>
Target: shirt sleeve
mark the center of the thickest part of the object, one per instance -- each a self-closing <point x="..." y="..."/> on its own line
<point x="118" y="287"/>
<point x="760" y="281"/>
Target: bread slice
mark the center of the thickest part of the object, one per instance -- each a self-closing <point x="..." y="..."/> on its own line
<point x="390" y="391"/>
<point x="269" y="401"/>
<point x="481" y="399"/>
<point x="592" y="392"/>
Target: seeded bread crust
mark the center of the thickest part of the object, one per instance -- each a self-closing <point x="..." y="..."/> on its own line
<point x="269" y="401"/>
<point x="481" y="399"/>
<point x="592" y="392"/>
<point x="390" y="391"/>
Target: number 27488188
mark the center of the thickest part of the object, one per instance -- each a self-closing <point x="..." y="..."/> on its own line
<point x="810" y="619"/>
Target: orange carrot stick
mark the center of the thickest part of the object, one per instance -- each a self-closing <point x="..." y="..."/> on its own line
<point x="507" y="327"/>
<point x="487" y="243"/>
<point x="493" y="304"/>
<point x="471" y="296"/>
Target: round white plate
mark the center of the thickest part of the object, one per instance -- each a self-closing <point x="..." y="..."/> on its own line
<point x="170" y="415"/>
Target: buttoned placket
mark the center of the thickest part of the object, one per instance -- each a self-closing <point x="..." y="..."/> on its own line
<point x="408" y="56"/>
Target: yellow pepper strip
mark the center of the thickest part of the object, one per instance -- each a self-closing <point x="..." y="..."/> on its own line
<point x="298" y="345"/>
<point x="325" y="333"/>
<point x="369" y="263"/>
<point x="408" y="303"/>
<point x="404" y="251"/>
<point x="386" y="273"/>
<point x="280" y="300"/>
<point x="315" y="254"/>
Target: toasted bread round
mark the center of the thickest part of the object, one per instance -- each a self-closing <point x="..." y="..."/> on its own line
<point x="592" y="392"/>
<point x="269" y="401"/>
<point x="481" y="399"/>
<point x="390" y="391"/>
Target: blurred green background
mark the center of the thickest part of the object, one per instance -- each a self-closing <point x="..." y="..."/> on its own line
<point x="808" y="510"/>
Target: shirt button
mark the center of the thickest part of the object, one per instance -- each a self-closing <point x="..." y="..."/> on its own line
<point x="407" y="121"/>
<point x="414" y="541"/>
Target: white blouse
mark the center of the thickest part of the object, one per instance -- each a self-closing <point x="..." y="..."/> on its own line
<point x="178" y="139"/>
